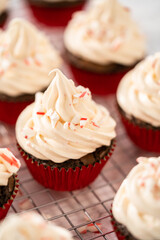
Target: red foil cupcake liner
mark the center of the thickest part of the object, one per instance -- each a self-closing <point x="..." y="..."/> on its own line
<point x="57" y="17"/>
<point x="9" y="111"/>
<point x="101" y="84"/>
<point x="145" y="138"/>
<point x="65" y="180"/>
<point x="4" y="209"/>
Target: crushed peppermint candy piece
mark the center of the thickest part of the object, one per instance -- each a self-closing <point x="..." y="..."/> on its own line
<point x="49" y="112"/>
<point x="92" y="228"/>
<point x="82" y="230"/>
<point x="83" y="122"/>
<point x="72" y="126"/>
<point x="10" y="159"/>
<point x="28" y="132"/>
<point x="81" y="94"/>
<point x="54" y="119"/>
<point x="77" y="95"/>
<point x="66" y="125"/>
<point x="76" y="120"/>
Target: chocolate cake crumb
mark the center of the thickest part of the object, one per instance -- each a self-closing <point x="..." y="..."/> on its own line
<point x="7" y="191"/>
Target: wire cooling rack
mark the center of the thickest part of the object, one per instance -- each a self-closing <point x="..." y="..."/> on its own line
<point x="86" y="212"/>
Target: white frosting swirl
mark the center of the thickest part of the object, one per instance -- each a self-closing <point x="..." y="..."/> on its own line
<point x="26" y="57"/>
<point x="8" y="165"/>
<point x="29" y="226"/>
<point x="105" y="34"/>
<point x="138" y="93"/>
<point x="137" y="202"/>
<point x="64" y="123"/>
<point x="3" y="5"/>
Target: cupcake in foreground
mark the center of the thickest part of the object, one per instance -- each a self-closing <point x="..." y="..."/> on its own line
<point x="65" y="137"/>
<point x="26" y="57"/>
<point x="107" y="43"/>
<point x="55" y="12"/>
<point x="138" y="98"/>
<point x="31" y="226"/>
<point x="136" y="206"/>
<point x="3" y="11"/>
<point x="9" y="165"/>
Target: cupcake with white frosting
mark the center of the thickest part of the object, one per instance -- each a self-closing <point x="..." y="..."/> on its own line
<point x="26" y="57"/>
<point x="31" y="226"/>
<point x="64" y="136"/>
<point x="9" y="166"/>
<point x="3" y="11"/>
<point x="136" y="206"/>
<point x="55" y="12"/>
<point x="107" y="43"/>
<point x="138" y="98"/>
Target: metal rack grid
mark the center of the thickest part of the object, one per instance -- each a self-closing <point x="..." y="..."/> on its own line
<point x="74" y="210"/>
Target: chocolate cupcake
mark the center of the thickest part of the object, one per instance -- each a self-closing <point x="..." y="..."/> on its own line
<point x="136" y="205"/>
<point x="3" y="11"/>
<point x="26" y="57"/>
<point x="9" y="166"/>
<point x="138" y="98"/>
<point x="55" y="12"/>
<point x="65" y="137"/>
<point x="107" y="43"/>
<point x="32" y="226"/>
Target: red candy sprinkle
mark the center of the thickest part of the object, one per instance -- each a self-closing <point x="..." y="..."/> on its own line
<point x="95" y="125"/>
<point x="83" y="119"/>
<point x="40" y="113"/>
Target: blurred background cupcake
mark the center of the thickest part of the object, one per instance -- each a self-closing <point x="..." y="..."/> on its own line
<point x="3" y="11"/>
<point x="65" y="137"/>
<point x="26" y="57"/>
<point x="9" y="165"/>
<point x="102" y="44"/>
<point x="136" y="206"/>
<point x="55" y="12"/>
<point x="31" y="226"/>
<point x="138" y="98"/>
